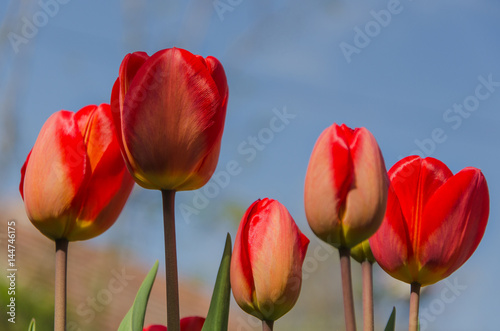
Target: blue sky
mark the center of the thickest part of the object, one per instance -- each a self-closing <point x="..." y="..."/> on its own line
<point x="284" y="57"/>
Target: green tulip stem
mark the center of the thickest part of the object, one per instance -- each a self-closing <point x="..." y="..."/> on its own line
<point x="414" y="302"/>
<point x="367" y="271"/>
<point x="345" y="269"/>
<point x="173" y="319"/>
<point x="60" y="285"/>
<point x="267" y="325"/>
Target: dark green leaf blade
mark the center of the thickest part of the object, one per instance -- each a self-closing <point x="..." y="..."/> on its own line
<point x="218" y="313"/>
<point x="391" y="323"/>
<point x="134" y="319"/>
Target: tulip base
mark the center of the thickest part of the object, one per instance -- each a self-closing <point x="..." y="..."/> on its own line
<point x="267" y="325"/>
<point x="60" y="285"/>
<point x="414" y="303"/>
<point x="345" y="269"/>
<point x="173" y="317"/>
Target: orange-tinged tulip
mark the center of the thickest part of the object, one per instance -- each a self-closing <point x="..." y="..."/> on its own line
<point x="266" y="265"/>
<point x="169" y="111"/>
<point x="74" y="182"/>
<point x="434" y="220"/>
<point x="193" y="323"/>
<point x="346" y="186"/>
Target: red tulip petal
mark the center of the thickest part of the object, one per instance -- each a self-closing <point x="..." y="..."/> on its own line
<point x="272" y="260"/>
<point x="156" y="327"/>
<point x="110" y="184"/>
<point x="304" y="243"/>
<point x="242" y="282"/>
<point x="209" y="163"/>
<point x="328" y="179"/>
<point x="23" y="172"/>
<point x="54" y="176"/>
<point x="391" y="245"/>
<point x="219" y="76"/>
<point x="414" y="180"/>
<point x="193" y="323"/>
<point x="115" y="104"/>
<point x="131" y="63"/>
<point x="170" y="114"/>
<point x="367" y="196"/>
<point x="457" y="212"/>
<point x="128" y="69"/>
<point x="342" y="164"/>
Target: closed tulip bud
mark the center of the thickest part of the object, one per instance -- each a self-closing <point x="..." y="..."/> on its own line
<point x="74" y="182"/>
<point x="346" y="186"/>
<point x="169" y="111"/>
<point x="194" y="323"/>
<point x="434" y="220"/>
<point x="362" y="252"/>
<point x="266" y="265"/>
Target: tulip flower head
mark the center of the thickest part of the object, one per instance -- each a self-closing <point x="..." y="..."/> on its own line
<point x="193" y="323"/>
<point x="266" y="265"/>
<point x="169" y="111"/>
<point x="434" y="220"/>
<point x="346" y="186"/>
<point x="74" y="182"/>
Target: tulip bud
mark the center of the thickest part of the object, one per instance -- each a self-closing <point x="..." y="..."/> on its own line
<point x="434" y="220"/>
<point x="155" y="327"/>
<point x="193" y="323"/>
<point x="362" y="252"/>
<point x="169" y="111"/>
<point x="74" y="182"/>
<point x="266" y="265"/>
<point x="346" y="186"/>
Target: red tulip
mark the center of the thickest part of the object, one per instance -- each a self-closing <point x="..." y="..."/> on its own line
<point x="266" y="265"/>
<point x="193" y="323"/>
<point x="434" y="220"/>
<point x="346" y="186"/>
<point x="155" y="327"/>
<point x="74" y="182"/>
<point x="169" y="111"/>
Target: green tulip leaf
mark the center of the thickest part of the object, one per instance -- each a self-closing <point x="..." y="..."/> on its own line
<point x="134" y="319"/>
<point x="391" y="323"/>
<point x="32" y="325"/>
<point x="218" y="313"/>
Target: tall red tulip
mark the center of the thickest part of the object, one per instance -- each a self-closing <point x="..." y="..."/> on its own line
<point x="266" y="265"/>
<point x="74" y="182"/>
<point x="169" y="111"/>
<point x="193" y="323"/>
<point x="346" y="186"/>
<point x="434" y="220"/>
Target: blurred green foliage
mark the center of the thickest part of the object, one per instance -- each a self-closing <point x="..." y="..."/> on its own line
<point x="31" y="303"/>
